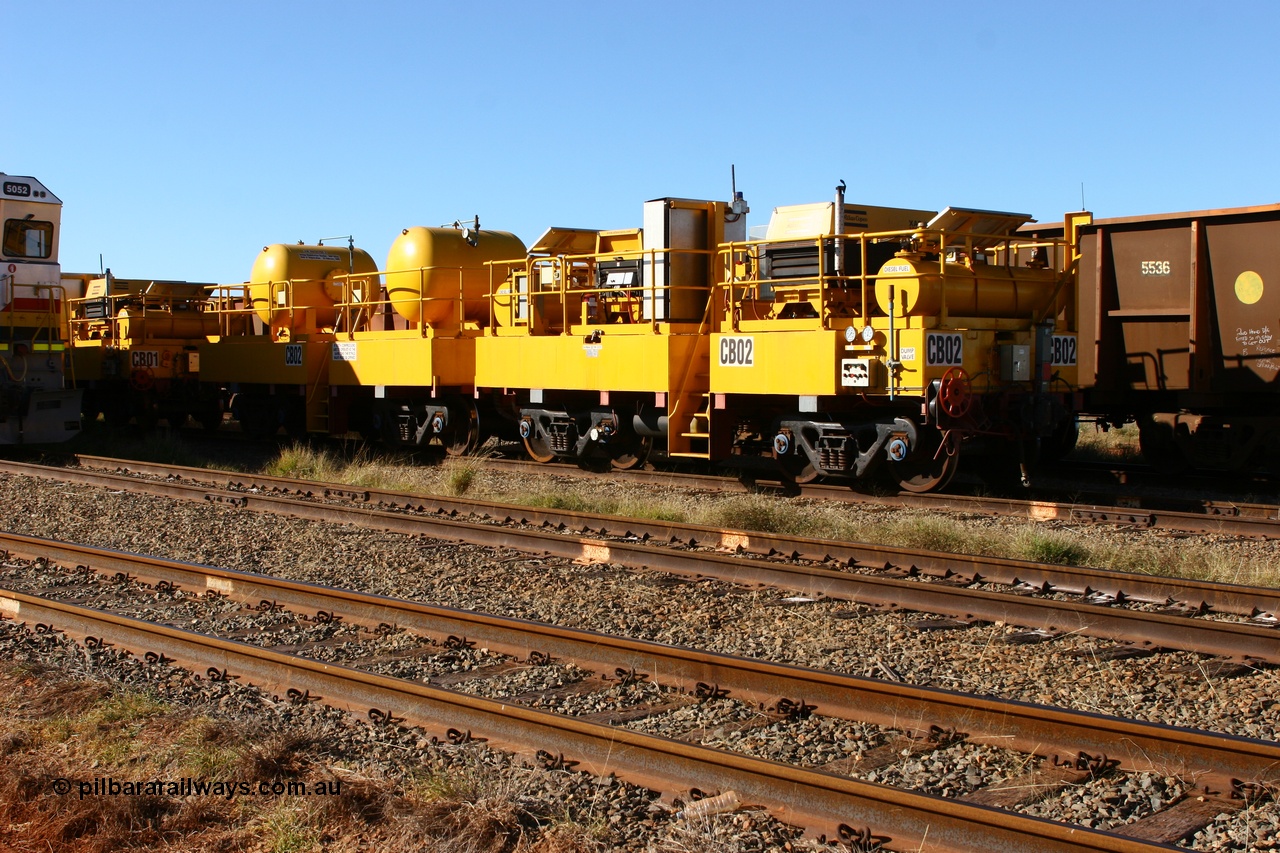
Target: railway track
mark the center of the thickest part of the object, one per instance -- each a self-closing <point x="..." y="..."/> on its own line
<point x="1074" y="746"/>
<point x="1242" y="518"/>
<point x="1119" y="503"/>
<point x="1143" y="612"/>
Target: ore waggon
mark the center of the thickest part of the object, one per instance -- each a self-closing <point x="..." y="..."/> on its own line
<point x="1178" y="316"/>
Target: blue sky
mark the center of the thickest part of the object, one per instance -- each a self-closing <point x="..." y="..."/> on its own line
<point x="182" y="136"/>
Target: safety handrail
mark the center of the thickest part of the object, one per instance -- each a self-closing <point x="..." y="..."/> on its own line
<point x="565" y="268"/>
<point x="740" y="262"/>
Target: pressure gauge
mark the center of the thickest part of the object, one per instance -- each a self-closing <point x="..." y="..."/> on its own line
<point x="867" y="333"/>
<point x="849" y="334"/>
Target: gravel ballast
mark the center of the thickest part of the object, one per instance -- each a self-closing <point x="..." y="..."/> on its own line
<point x="1071" y="671"/>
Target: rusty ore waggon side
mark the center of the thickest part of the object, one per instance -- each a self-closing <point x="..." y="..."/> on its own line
<point x="1179" y="318"/>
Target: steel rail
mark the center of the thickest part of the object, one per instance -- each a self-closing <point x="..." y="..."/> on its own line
<point x="1219" y="763"/>
<point x="1192" y="595"/>
<point x="1150" y="630"/>
<point x="823" y="804"/>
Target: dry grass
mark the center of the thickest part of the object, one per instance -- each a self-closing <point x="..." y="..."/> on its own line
<point x="54" y="727"/>
<point x="1193" y="557"/>
<point x="1117" y="444"/>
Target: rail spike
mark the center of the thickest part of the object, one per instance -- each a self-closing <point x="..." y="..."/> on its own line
<point x="704" y="691"/>
<point x="557" y="761"/>
<point x="457" y="737"/>
<point x="861" y="840"/>
<point x="628" y="677"/>
<point x="1250" y="792"/>
<point x="944" y="737"/>
<point x="384" y="718"/>
<point x="794" y="709"/>
<point x="1096" y="765"/>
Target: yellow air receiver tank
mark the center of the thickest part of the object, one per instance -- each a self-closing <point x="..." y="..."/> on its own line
<point x="430" y="269"/>
<point x="297" y="286"/>
<point x="919" y="288"/>
<point x="135" y="324"/>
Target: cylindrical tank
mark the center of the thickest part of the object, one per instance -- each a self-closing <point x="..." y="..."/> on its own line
<point x="918" y="287"/>
<point x="290" y="283"/>
<point x="430" y="269"/>
<point x="135" y="324"/>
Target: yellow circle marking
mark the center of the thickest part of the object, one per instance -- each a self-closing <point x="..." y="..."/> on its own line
<point x="1248" y="287"/>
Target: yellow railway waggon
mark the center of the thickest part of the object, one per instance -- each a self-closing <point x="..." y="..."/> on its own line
<point x="319" y="340"/>
<point x="844" y="341"/>
<point x="599" y="340"/>
<point x="839" y="340"/>
<point x="848" y="337"/>
<point x="135" y="347"/>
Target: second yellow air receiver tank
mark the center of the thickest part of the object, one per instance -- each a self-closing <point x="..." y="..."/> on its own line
<point x="430" y="269"/>
<point x="921" y="288"/>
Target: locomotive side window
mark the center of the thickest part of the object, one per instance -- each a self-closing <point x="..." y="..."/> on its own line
<point x="24" y="238"/>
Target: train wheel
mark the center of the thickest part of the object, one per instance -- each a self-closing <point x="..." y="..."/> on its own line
<point x="628" y="455"/>
<point x="1056" y="447"/>
<point x="117" y="411"/>
<point x="929" y="469"/>
<point x="1156" y="441"/>
<point x="293" y="414"/>
<point x="463" y="436"/>
<point x="146" y="415"/>
<point x="797" y="468"/>
<point x="91" y="407"/>
<point x="538" y="450"/>
<point x="209" y="417"/>
<point x="259" y="418"/>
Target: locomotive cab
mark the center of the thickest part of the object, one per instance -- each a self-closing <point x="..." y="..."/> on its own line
<point x="36" y="404"/>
